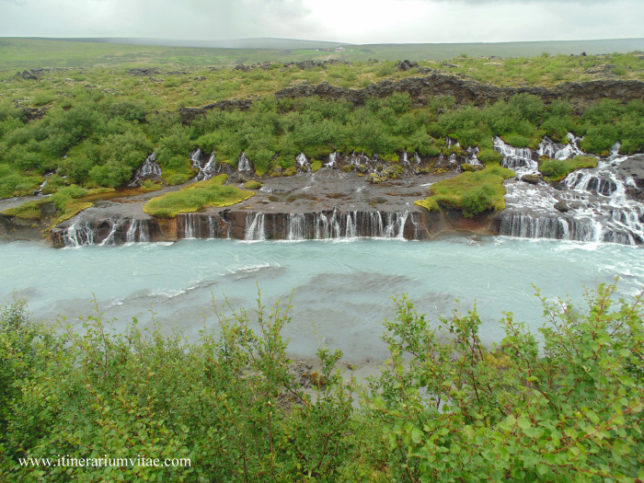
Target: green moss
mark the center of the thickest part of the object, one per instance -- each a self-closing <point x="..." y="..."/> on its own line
<point x="149" y="185"/>
<point x="212" y="192"/>
<point x="316" y="165"/>
<point x="71" y="209"/>
<point x="470" y="192"/>
<point x="556" y="170"/>
<point x="252" y="185"/>
<point x="32" y="210"/>
<point x="429" y="204"/>
<point x="290" y="171"/>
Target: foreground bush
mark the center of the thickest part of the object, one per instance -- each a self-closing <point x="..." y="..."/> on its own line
<point x="444" y="407"/>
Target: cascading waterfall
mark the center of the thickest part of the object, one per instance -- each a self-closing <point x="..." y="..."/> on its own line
<point x="149" y="169"/>
<point x="549" y="148"/>
<point x="206" y="168"/>
<point x="588" y="205"/>
<point x="520" y="160"/>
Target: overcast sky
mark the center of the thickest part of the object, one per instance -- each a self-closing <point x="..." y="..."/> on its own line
<point x="356" y="21"/>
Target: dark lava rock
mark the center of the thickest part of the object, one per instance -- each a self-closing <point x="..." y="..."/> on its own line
<point x="32" y="113"/>
<point x="406" y="65"/>
<point x="561" y="206"/>
<point x="144" y="71"/>
<point x="633" y="167"/>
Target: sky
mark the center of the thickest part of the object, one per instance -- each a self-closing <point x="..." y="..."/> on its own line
<point x="352" y="21"/>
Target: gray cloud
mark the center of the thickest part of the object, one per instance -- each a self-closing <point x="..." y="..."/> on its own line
<point x="359" y="21"/>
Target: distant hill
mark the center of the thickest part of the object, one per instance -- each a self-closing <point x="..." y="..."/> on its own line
<point x="30" y="53"/>
<point x="255" y="43"/>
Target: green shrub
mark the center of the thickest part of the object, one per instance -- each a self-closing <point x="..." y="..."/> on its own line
<point x="488" y="156"/>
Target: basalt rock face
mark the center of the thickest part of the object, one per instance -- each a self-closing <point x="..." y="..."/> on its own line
<point x="187" y="114"/>
<point x="246" y="225"/>
<point x="421" y="89"/>
<point x="467" y="91"/>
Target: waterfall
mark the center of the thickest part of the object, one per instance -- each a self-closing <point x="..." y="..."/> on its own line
<point x="333" y="160"/>
<point x="190" y="225"/>
<point x="255" y="227"/>
<point x="206" y="168"/>
<point x="209" y="169"/>
<point x="395" y="227"/>
<point x="296" y="226"/>
<point x="520" y="160"/>
<point x="303" y="163"/>
<point x="149" y="169"/>
<point x="472" y="157"/>
<point x="109" y="239"/>
<point x="405" y="159"/>
<point x="137" y="231"/>
<point x="351" y="230"/>
<point x="376" y="228"/>
<point x="244" y="164"/>
<point x="417" y="159"/>
<point x="78" y="234"/>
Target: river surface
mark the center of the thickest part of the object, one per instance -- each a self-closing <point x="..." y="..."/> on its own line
<point x="340" y="291"/>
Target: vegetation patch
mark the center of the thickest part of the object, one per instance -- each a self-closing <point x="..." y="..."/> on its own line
<point x="211" y="192"/>
<point x="31" y="210"/>
<point x="556" y="170"/>
<point x="252" y="185"/>
<point x="470" y="192"/>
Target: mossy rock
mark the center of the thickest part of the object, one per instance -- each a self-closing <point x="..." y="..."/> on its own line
<point x="315" y="166"/>
<point x="290" y="171"/>
<point x="252" y="185"/>
<point x="347" y="168"/>
<point x="471" y="167"/>
<point x="429" y="204"/>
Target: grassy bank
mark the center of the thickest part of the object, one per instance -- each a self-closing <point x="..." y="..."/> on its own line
<point x="470" y="192"/>
<point x="199" y="195"/>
